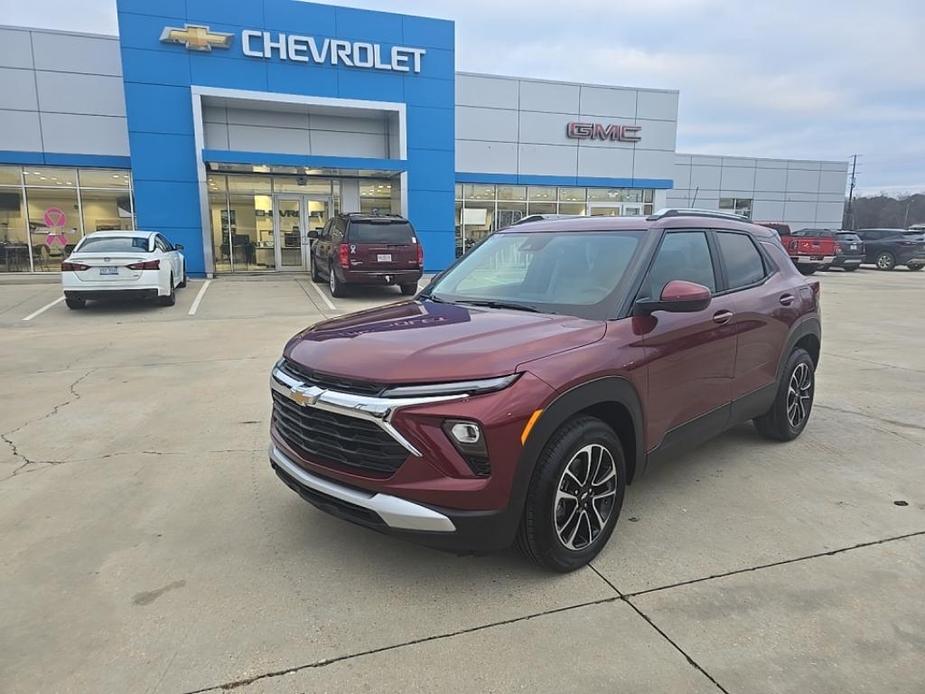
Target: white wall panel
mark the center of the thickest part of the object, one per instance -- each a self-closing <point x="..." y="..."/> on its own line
<point x="658" y="134"/>
<point x="767" y="211"/>
<point x="250" y="138"/>
<point x="609" y="163"/>
<point x="600" y="101"/>
<point x="491" y="92"/>
<point x="493" y="124"/>
<point x="73" y="53"/>
<point x="20" y="131"/>
<point x="216" y="136"/>
<point x="657" y="105"/>
<point x="800" y="180"/>
<point x="85" y="134"/>
<point x="545" y="128"/>
<point x="61" y="92"/>
<point x="800" y="211"/>
<point x="682" y="173"/>
<point x="549" y="96"/>
<point x="706" y="177"/>
<point x="547" y="160"/>
<point x="771" y="180"/>
<point x="371" y="126"/>
<point x="488" y="157"/>
<point x="15" y="49"/>
<point x="830" y="213"/>
<point x="737" y="178"/>
<point x="653" y="164"/>
<point x="832" y="182"/>
<point x="337" y="144"/>
<point x="214" y="114"/>
<point x="267" y="119"/>
<point x="17" y="89"/>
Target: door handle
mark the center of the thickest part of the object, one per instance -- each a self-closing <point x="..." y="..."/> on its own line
<point x="787" y="299"/>
<point x="722" y="317"/>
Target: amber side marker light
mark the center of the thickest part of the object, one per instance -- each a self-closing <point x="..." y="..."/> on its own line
<point x="529" y="427"/>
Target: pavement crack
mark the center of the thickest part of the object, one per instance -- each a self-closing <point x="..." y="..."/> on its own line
<point x="865" y="415"/>
<point x="693" y="663"/>
<point x="783" y="562"/>
<point x="372" y="651"/>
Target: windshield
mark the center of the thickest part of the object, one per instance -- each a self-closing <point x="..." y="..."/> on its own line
<point x="114" y="244"/>
<point x="574" y="273"/>
<point x="381" y="232"/>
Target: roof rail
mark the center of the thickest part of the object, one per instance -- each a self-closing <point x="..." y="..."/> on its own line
<point x="695" y="212"/>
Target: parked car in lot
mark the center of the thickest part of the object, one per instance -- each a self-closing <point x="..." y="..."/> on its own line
<point x="887" y="248"/>
<point x="526" y="386"/>
<point x="849" y="251"/>
<point x="115" y="264"/>
<point x="355" y="248"/>
<point x="810" y="249"/>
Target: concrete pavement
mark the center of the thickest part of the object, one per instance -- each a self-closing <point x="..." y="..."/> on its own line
<point x="148" y="547"/>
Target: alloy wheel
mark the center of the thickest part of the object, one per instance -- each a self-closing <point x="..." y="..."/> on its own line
<point x="799" y="395"/>
<point x="585" y="497"/>
<point x="885" y="262"/>
<point x="332" y="282"/>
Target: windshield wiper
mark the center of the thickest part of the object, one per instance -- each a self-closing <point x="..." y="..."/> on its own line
<point x="501" y="304"/>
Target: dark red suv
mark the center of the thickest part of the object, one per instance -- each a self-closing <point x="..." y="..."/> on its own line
<point x="527" y="385"/>
<point x="355" y="248"/>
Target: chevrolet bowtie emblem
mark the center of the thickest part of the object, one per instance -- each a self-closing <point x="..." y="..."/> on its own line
<point x="196" y="37"/>
<point x="304" y="396"/>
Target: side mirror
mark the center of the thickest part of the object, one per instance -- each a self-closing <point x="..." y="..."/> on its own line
<point x="314" y="234"/>
<point x="678" y="296"/>
<point x="178" y="246"/>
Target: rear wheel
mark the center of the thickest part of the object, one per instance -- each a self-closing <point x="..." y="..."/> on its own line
<point x="182" y="284"/>
<point x="575" y="496"/>
<point x="807" y="269"/>
<point x="914" y="267"/>
<point x="74" y="303"/>
<point x="794" y="402"/>
<point x="409" y="289"/>
<point x="337" y="287"/>
<point x="886" y="261"/>
<point x="171" y="298"/>
<point x="316" y="276"/>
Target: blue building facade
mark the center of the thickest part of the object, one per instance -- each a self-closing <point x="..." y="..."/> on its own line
<point x="284" y="60"/>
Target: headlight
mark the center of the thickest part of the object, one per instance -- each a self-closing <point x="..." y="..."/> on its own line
<point x="486" y="385"/>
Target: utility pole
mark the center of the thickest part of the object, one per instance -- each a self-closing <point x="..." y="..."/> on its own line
<point x="853" y="181"/>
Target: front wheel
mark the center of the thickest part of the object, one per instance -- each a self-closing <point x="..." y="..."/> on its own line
<point x="794" y="401"/>
<point x="575" y="496"/>
<point x="807" y="269"/>
<point x="886" y="261"/>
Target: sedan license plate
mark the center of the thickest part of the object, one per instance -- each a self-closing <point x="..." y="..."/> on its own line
<point x="109" y="271"/>
<point x="854" y="246"/>
<point x="384" y="257"/>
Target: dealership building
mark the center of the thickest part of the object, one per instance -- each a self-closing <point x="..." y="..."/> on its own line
<point x="235" y="127"/>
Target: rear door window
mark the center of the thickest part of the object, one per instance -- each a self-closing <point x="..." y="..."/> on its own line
<point x="390" y="233"/>
<point x="743" y="262"/>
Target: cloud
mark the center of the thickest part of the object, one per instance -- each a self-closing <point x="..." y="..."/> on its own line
<point x="790" y="78"/>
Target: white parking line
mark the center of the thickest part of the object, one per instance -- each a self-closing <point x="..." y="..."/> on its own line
<point x="44" y="308"/>
<point x="198" y="299"/>
<point x="324" y="297"/>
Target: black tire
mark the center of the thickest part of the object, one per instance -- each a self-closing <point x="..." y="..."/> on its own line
<point x="538" y="537"/>
<point x="777" y="423"/>
<point x="316" y="276"/>
<point x="885" y="261"/>
<point x="182" y="284"/>
<point x="171" y="298"/>
<point x="409" y="289"/>
<point x="914" y="267"/>
<point x="337" y="287"/>
<point x="850" y="268"/>
<point x="75" y="304"/>
<point x="807" y="269"/>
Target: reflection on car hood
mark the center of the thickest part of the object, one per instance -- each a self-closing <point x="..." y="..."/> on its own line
<point x="426" y="342"/>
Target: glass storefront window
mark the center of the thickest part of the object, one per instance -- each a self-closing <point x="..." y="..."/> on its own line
<point x="572" y="208"/>
<point x="541" y="208"/>
<point x="51" y="176"/>
<point x="221" y="231"/>
<point x="572" y="194"/>
<point x="249" y="221"/>
<point x="106" y="210"/>
<point x="605" y="194"/>
<point x="250" y="184"/>
<point x="541" y="194"/>
<point x="512" y="193"/>
<point x="54" y="225"/>
<point x="301" y="184"/>
<point x="477" y="222"/>
<point x="104" y="178"/>
<point x="459" y="191"/>
<point x="14" y="241"/>
<point x="649" y="195"/>
<point x="478" y="192"/>
<point x="10" y="176"/>
<point x="509" y="213"/>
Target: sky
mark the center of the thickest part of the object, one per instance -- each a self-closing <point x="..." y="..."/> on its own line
<point x="812" y="79"/>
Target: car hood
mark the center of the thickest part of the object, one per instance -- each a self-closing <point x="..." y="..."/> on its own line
<point x="425" y="341"/>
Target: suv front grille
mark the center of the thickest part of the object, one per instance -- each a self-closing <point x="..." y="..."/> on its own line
<point x="336" y="438"/>
<point x="341" y="385"/>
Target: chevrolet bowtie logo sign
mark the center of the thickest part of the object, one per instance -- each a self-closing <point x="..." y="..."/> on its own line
<point x="196" y="37"/>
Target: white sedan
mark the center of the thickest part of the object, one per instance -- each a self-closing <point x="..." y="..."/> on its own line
<point x="110" y="264"/>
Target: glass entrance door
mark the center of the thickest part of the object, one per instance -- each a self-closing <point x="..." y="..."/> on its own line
<point x="293" y="217"/>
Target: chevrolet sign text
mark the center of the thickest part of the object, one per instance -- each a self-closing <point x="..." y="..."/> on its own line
<point x="307" y="49"/>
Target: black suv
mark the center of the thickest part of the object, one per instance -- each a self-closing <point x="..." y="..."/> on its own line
<point x="355" y="248"/>
<point x="849" y="251"/>
<point x="887" y="248"/>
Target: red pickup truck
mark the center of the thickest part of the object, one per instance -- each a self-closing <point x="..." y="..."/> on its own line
<point x="809" y="249"/>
